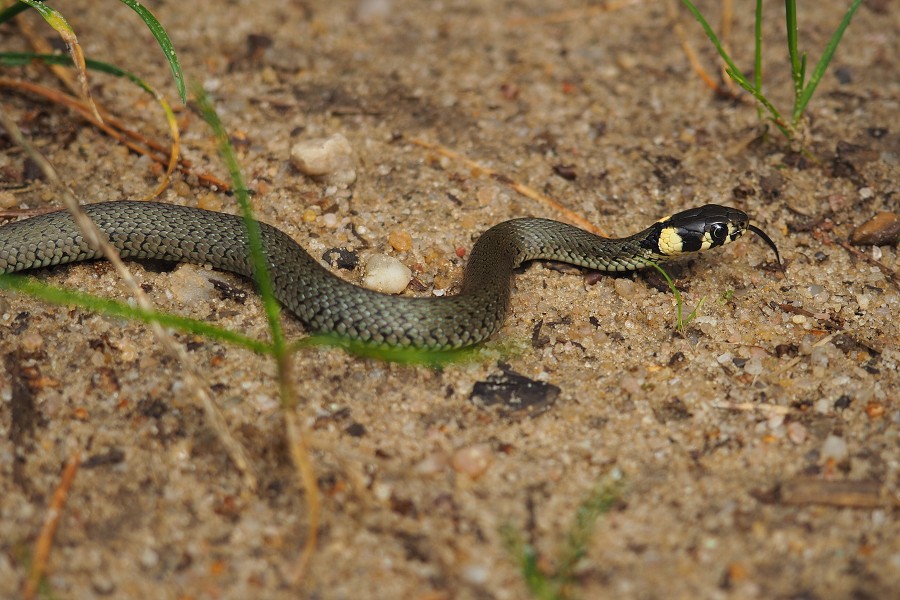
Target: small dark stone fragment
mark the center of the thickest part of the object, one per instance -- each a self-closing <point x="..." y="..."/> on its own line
<point x="341" y="258"/>
<point x="257" y="44"/>
<point x="567" y="172"/>
<point x="743" y="191"/>
<point x="843" y="403"/>
<point x="786" y="350"/>
<point x="677" y="360"/>
<point x="673" y="410"/>
<point x="152" y="408"/>
<point x="355" y="429"/>
<point x="514" y="394"/>
<point x="797" y="160"/>
<point x="228" y="291"/>
<point x="844" y="75"/>
<point x="739" y="362"/>
<point x="846" y="344"/>
<point x="820" y="256"/>
<point x="20" y="323"/>
<point x="113" y="456"/>
<point x="31" y="171"/>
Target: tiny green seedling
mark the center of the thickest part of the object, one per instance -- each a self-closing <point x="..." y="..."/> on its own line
<point x="681" y="322"/>
<point x="558" y="583"/>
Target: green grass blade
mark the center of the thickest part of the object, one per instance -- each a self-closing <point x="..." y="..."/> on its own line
<point x="53" y="17"/>
<point x="734" y="72"/>
<point x="114" y="308"/>
<point x="12" y="10"/>
<point x="790" y="21"/>
<point x="599" y="502"/>
<point x="680" y="322"/>
<point x="164" y="42"/>
<point x="539" y="584"/>
<point x="20" y="59"/>
<point x="823" y="63"/>
<point x="757" y="54"/>
<point x="254" y="236"/>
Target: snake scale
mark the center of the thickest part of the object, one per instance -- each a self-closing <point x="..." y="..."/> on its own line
<point x="324" y="303"/>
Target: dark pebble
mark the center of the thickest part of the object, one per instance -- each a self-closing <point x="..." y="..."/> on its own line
<point x="341" y="258"/>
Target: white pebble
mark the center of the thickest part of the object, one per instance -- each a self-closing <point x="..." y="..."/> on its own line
<point x="625" y="288"/>
<point x="835" y="448"/>
<point x="753" y="366"/>
<point x="189" y="285"/>
<point x="386" y="274"/>
<point x="330" y="159"/>
<point x="796" y="432"/>
<point x="472" y="460"/>
<point x="329" y="220"/>
<point x="475" y="574"/>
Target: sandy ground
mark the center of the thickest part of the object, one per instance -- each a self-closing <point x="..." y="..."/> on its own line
<point x="728" y="439"/>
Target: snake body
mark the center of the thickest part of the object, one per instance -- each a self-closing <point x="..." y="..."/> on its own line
<point x="324" y="303"/>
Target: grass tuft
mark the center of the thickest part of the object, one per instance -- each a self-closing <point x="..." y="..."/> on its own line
<point x="803" y="89"/>
<point x="557" y="582"/>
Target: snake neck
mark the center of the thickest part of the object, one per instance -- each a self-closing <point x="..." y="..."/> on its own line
<point x="507" y="245"/>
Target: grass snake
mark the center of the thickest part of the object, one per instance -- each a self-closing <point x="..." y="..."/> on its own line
<point x="324" y="303"/>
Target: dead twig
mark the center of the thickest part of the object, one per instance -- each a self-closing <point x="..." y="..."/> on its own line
<point x="115" y="129"/>
<point x="844" y="494"/>
<point x="699" y="70"/>
<point x="51" y="522"/>
<point x="886" y="270"/>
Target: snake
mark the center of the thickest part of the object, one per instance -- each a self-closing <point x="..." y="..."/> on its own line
<point x="327" y="304"/>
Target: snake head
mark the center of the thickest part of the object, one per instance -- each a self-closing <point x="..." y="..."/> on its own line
<point x="705" y="227"/>
<point x="700" y="229"/>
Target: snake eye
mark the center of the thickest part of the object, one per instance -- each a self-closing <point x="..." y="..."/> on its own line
<point x="718" y="232"/>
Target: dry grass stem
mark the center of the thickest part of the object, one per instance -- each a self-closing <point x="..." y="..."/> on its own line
<point x="51" y="522"/>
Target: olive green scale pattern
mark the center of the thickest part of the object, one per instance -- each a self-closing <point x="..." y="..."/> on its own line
<point x="323" y="302"/>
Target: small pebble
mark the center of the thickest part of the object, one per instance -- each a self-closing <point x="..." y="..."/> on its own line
<point x="753" y="366"/>
<point x="32" y="342"/>
<point x="475" y="574"/>
<point x="386" y="274"/>
<point x="472" y="460"/>
<point x="400" y="241"/>
<point x="149" y="558"/>
<point x="330" y="220"/>
<point x="796" y="433"/>
<point x="835" y="448"/>
<point x="210" y="201"/>
<point x="189" y="286"/>
<point x="330" y="159"/>
<point x="625" y="288"/>
<point x="875" y="410"/>
<point x="433" y="463"/>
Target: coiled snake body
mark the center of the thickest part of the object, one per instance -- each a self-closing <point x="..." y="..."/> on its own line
<point x="325" y="303"/>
